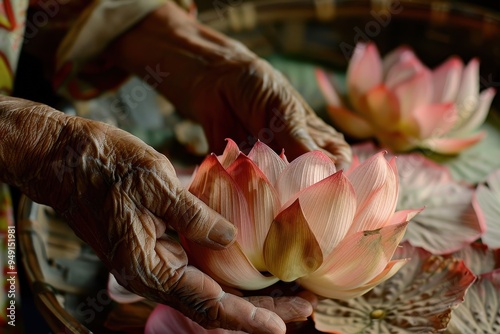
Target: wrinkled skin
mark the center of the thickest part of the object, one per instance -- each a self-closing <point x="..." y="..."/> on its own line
<point x="119" y="195"/>
<point x="220" y="83"/>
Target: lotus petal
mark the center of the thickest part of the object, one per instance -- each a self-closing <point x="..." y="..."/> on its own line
<point x="480" y="311"/>
<point x="357" y="260"/>
<point x="414" y="93"/>
<point x="231" y="152"/>
<point x="452" y="145"/>
<point x="403" y="71"/>
<point x="446" y="79"/>
<point x="488" y="198"/>
<point x="435" y="120"/>
<point x="375" y="182"/>
<point x="469" y="89"/>
<point x="350" y="123"/>
<point x="263" y="205"/>
<point x="291" y="250"/>
<point x="326" y="288"/>
<point x="120" y="294"/>
<point x="381" y="107"/>
<point x="478" y="116"/>
<point x="302" y="172"/>
<point x="229" y="266"/>
<point x="417" y="299"/>
<point x="479" y="258"/>
<point x="331" y="96"/>
<point x="216" y="188"/>
<point x="329" y="207"/>
<point x="165" y="319"/>
<point x="400" y="54"/>
<point x="268" y="161"/>
<point x="365" y="59"/>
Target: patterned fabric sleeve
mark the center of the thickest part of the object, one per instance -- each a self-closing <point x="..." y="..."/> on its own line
<point x="12" y="19"/>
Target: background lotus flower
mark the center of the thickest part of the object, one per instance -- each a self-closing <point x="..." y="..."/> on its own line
<point x="335" y="232"/>
<point x="405" y="105"/>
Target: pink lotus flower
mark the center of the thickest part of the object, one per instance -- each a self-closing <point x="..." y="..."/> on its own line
<point x="333" y="231"/>
<point x="405" y="105"/>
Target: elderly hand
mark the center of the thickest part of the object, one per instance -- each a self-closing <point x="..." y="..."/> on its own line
<point x="224" y="86"/>
<point x="120" y="196"/>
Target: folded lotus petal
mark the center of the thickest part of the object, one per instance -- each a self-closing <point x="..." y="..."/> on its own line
<point x="398" y="55"/>
<point x="329" y="207"/>
<point x="120" y="294"/>
<point x="325" y="287"/>
<point x="268" y="161"/>
<point x="263" y="205"/>
<point x="229" y="266"/>
<point x="164" y="320"/>
<point x="331" y="96"/>
<point x="359" y="258"/>
<point x="231" y="152"/>
<point x="467" y="97"/>
<point x="478" y="116"/>
<point x="350" y="123"/>
<point x="403" y="71"/>
<point x="216" y="188"/>
<point x="302" y="172"/>
<point x="364" y="71"/>
<point x="452" y="145"/>
<point x="446" y="79"/>
<point x="375" y="183"/>
<point x="414" y="93"/>
<point x="381" y="108"/>
<point x="291" y="250"/>
<point x="488" y="199"/>
<point x="435" y="120"/>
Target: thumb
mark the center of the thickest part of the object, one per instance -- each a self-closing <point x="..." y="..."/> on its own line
<point x="200" y="298"/>
<point x="198" y="222"/>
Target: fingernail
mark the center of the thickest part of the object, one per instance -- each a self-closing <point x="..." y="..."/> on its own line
<point x="222" y="233"/>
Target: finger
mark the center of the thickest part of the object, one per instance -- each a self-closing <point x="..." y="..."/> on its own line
<point x="200" y="298"/>
<point x="331" y="141"/>
<point x="310" y="297"/>
<point x="292" y="135"/>
<point x="287" y="308"/>
<point x="196" y="221"/>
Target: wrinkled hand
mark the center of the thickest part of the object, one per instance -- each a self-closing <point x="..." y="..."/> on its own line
<point x="224" y="86"/>
<point x="120" y="196"/>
